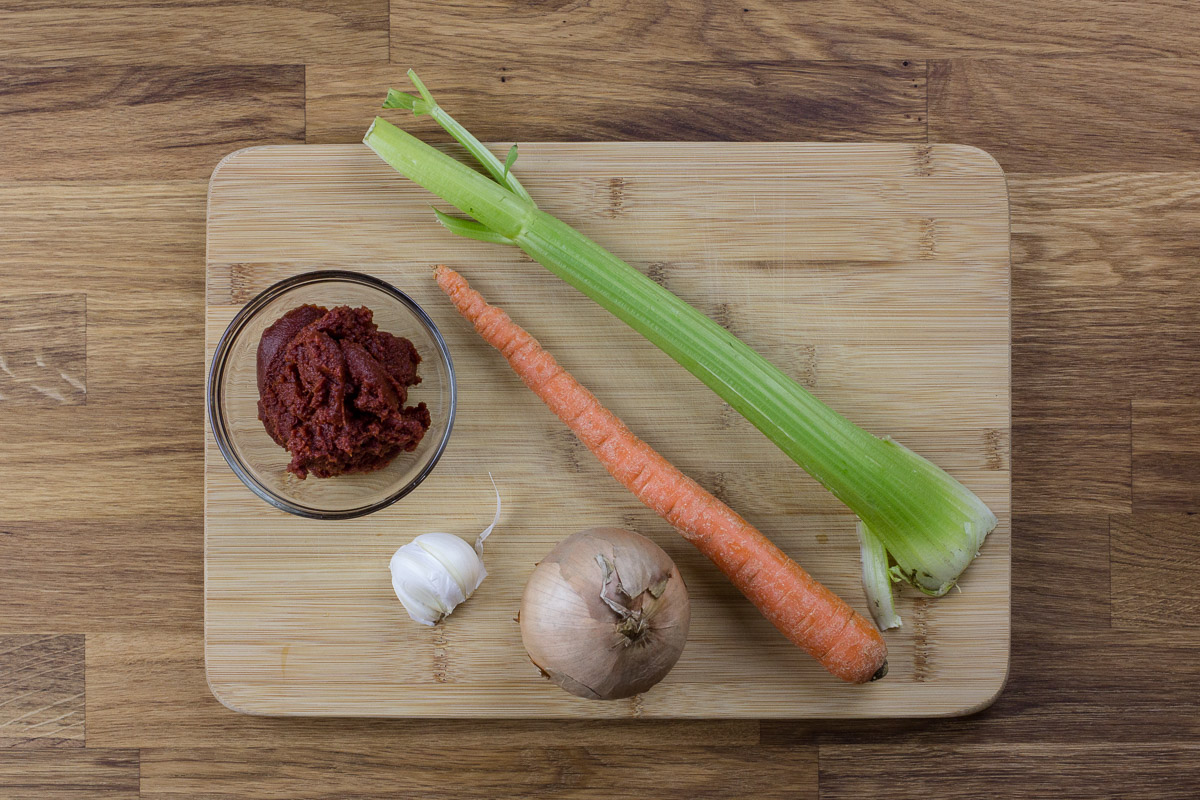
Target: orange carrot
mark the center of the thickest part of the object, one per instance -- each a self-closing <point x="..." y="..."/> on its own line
<point x="806" y="612"/>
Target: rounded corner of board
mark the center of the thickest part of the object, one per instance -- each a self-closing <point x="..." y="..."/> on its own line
<point x="222" y="696"/>
<point x="236" y="155"/>
<point x="979" y="158"/>
<point x="233" y="156"/>
<point x="988" y="692"/>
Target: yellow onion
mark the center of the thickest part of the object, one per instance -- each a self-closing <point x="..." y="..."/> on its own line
<point x="605" y="615"/>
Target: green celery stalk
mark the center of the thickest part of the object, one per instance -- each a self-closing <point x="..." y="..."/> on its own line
<point x="877" y="580"/>
<point x="930" y="523"/>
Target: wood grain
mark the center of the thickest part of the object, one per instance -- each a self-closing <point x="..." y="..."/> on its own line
<point x="1071" y="419"/>
<point x="1080" y="683"/>
<point x="108" y="462"/>
<point x="150" y="334"/>
<point x="142" y="123"/>
<point x="123" y="440"/>
<point x="77" y="235"/>
<point x="1068" y="115"/>
<point x="43" y="349"/>
<point x="1088" y="684"/>
<point x="585" y="772"/>
<point x="135" y="249"/>
<point x="1166" y="453"/>
<point x="1104" y="299"/>
<point x="1064" y="459"/>
<point x="176" y="32"/>
<point x="1154" y="561"/>
<point x="292" y="628"/>
<point x="1146" y="771"/>
<point x="629" y="31"/>
<point x="606" y="99"/>
<point x="1090" y="100"/>
<point x="1077" y="688"/>
<point x="69" y="775"/>
<point x="148" y="689"/>
<point x="41" y="691"/>
<point x="1166" y="405"/>
<point x="143" y="291"/>
<point x="121" y="574"/>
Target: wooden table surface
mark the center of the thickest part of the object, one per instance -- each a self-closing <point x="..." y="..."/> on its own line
<point x="112" y="116"/>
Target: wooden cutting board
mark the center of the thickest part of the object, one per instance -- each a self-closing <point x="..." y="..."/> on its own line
<point x="877" y="275"/>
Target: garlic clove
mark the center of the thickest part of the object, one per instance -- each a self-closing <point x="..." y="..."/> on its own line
<point x="457" y="557"/>
<point x="435" y="572"/>
<point x="424" y="587"/>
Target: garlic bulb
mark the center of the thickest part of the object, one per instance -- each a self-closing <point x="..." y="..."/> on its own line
<point x="435" y="572"/>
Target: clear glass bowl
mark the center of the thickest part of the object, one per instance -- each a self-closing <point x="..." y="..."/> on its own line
<point x="261" y="463"/>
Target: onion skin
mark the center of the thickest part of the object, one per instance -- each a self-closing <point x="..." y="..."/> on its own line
<point x="576" y="636"/>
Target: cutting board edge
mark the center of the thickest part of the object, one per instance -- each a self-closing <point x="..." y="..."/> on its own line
<point x="981" y="694"/>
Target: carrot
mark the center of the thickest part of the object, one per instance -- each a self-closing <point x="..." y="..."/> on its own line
<point x="810" y="615"/>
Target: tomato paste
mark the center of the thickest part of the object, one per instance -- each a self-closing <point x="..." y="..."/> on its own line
<point x="332" y="389"/>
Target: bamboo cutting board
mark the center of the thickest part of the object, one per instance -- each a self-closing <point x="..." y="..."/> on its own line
<point x="876" y="275"/>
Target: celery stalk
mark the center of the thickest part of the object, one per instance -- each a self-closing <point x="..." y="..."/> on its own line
<point x="930" y="523"/>
<point x="877" y="580"/>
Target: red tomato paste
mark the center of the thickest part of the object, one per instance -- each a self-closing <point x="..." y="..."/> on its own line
<point x="332" y="388"/>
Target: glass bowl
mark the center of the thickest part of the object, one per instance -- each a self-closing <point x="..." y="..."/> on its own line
<point x="261" y="463"/>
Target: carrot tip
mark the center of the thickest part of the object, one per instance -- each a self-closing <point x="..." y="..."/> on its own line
<point x="883" y="670"/>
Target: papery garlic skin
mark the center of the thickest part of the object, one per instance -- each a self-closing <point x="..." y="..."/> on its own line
<point x="435" y="572"/>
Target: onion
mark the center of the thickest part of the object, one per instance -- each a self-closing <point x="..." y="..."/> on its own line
<point x="605" y="615"/>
